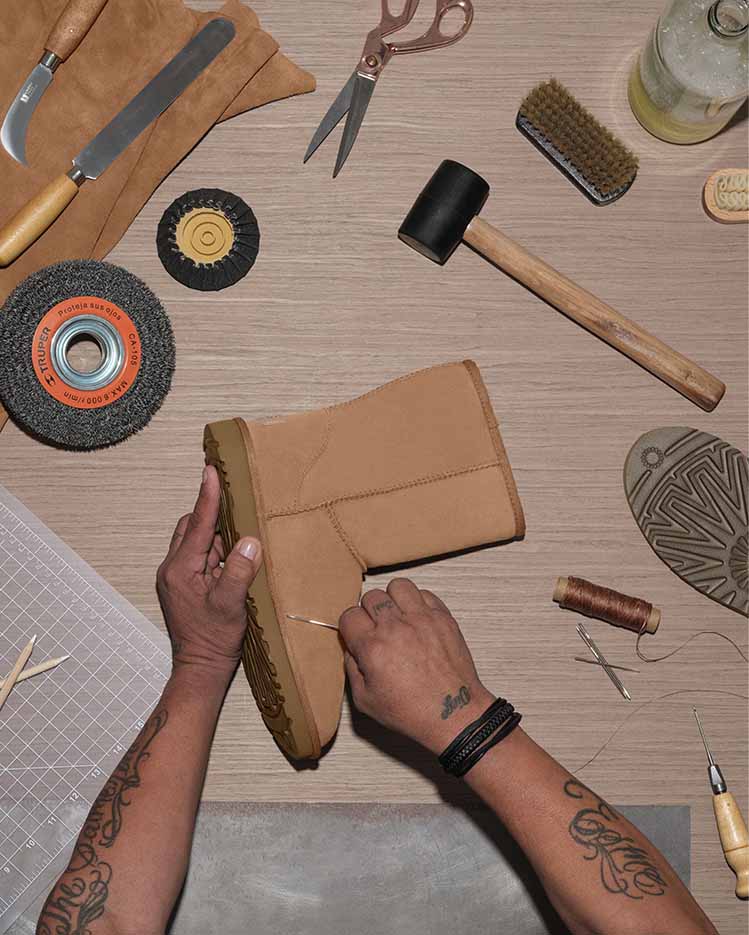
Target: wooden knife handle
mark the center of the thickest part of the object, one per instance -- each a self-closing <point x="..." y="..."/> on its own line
<point x="72" y="25"/>
<point x="605" y="322"/>
<point x="35" y="217"/>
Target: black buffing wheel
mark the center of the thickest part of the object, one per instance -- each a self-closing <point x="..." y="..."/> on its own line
<point x="208" y="239"/>
<point x="42" y="386"/>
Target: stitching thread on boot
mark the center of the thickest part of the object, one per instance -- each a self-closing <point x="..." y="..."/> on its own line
<point x="333" y="517"/>
<point x="327" y="435"/>
<point x="504" y="461"/>
<point x="378" y="491"/>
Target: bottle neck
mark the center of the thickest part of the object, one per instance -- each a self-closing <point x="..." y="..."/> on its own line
<point x="729" y="19"/>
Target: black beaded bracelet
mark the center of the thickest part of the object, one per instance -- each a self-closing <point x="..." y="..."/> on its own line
<point x="505" y="730"/>
<point x="475" y="734"/>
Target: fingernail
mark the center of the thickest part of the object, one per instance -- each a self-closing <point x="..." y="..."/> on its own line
<point x="248" y="548"/>
<point x="205" y="473"/>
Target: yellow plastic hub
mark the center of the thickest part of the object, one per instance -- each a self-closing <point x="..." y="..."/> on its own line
<point x="205" y="235"/>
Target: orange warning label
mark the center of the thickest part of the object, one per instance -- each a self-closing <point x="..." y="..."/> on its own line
<point x="44" y="368"/>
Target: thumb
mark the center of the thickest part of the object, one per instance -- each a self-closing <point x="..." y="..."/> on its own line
<point x="240" y="567"/>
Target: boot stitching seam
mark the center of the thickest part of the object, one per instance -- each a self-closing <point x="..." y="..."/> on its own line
<point x="378" y="491"/>
<point x="327" y="434"/>
<point x="336" y="523"/>
<point x="503" y="460"/>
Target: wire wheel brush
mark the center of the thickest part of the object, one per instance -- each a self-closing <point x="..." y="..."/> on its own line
<point x="43" y="385"/>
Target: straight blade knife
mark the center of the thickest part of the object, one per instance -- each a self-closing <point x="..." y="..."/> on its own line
<point x="40" y="213"/>
<point x="67" y="34"/>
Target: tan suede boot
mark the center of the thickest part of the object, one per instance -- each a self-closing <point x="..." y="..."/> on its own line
<point x="413" y="469"/>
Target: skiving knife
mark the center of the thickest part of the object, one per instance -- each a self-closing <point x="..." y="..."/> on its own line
<point x="43" y="209"/>
<point x="66" y="35"/>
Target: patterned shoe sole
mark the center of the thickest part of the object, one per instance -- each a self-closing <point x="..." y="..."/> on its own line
<point x="264" y="656"/>
<point x="688" y="492"/>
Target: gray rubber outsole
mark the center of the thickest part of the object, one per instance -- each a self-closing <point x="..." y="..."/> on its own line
<point x="688" y="492"/>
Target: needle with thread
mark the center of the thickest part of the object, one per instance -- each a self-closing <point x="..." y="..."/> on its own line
<point x="317" y="623"/>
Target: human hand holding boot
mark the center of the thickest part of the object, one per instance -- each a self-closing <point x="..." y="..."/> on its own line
<point x="204" y="602"/>
<point x="409" y="666"/>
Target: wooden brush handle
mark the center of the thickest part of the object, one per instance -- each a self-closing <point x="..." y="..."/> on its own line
<point x="35" y="217"/>
<point x="72" y="25"/>
<point x="639" y="345"/>
<point x="734" y="839"/>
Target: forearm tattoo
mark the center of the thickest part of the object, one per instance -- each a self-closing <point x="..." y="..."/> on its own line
<point x="626" y="868"/>
<point x="80" y="896"/>
<point x="451" y="703"/>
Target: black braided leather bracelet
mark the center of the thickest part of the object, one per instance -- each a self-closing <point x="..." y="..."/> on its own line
<point x="469" y="730"/>
<point x="476" y="733"/>
<point x="505" y="730"/>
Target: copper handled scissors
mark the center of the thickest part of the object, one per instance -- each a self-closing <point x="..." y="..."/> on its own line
<point x="357" y="92"/>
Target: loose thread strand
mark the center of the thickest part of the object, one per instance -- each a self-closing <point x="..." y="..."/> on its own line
<point x="644" y="704"/>
<point x="678" y="649"/>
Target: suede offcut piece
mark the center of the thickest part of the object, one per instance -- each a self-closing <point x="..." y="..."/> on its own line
<point x="125" y="48"/>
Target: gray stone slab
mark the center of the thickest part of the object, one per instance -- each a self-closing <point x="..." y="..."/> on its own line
<point x="373" y="870"/>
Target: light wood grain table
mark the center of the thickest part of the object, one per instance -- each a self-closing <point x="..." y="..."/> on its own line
<point x="336" y="305"/>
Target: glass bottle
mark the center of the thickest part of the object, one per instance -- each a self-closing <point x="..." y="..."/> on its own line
<point x="691" y="77"/>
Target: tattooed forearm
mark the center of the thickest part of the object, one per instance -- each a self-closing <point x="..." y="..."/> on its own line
<point x="80" y="896"/>
<point x="451" y="703"/>
<point x="626" y="868"/>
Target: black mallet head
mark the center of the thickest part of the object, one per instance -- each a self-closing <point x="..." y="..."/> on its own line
<point x="450" y="200"/>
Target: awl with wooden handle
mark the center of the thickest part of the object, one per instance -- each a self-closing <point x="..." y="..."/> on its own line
<point x="39" y="213"/>
<point x="446" y="214"/>
<point x="734" y="837"/>
<point x="67" y="34"/>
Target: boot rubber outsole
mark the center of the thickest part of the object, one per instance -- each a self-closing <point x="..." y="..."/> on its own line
<point x="279" y="696"/>
<point x="689" y="493"/>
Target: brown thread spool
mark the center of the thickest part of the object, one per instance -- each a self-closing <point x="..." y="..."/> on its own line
<point x="594" y="600"/>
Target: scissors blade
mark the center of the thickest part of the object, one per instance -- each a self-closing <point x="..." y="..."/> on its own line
<point x="337" y="110"/>
<point x="363" y="91"/>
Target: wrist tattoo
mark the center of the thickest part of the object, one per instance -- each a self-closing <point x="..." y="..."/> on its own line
<point x="79" y="898"/>
<point x="451" y="703"/>
<point x="626" y="868"/>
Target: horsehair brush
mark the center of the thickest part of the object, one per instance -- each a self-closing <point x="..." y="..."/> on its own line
<point x="446" y="214"/>
<point x="589" y="154"/>
<point x="59" y="306"/>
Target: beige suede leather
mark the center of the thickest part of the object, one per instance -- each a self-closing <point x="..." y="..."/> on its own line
<point x="413" y="469"/>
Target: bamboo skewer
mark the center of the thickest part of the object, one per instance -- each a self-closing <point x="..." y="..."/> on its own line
<point x="37" y="670"/>
<point x="12" y="676"/>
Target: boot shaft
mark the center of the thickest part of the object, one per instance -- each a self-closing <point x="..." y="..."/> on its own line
<point x="412" y="469"/>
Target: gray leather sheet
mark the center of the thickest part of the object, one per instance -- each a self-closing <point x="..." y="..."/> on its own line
<point x="372" y="870"/>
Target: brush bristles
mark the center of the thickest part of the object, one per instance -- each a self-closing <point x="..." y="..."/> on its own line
<point x="585" y="143"/>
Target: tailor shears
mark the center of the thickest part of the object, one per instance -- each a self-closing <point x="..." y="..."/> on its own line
<point x="357" y="92"/>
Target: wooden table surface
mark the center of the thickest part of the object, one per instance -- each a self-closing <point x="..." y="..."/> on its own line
<point x="337" y="305"/>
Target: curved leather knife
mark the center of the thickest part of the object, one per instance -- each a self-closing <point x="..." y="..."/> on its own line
<point x="66" y="35"/>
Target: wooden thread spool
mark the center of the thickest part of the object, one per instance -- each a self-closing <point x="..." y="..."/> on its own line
<point x="593" y="600"/>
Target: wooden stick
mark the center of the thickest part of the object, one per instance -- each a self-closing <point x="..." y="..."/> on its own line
<point x="37" y="670"/>
<point x="12" y="676"/>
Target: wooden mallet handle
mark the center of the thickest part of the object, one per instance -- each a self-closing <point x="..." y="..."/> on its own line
<point x="446" y="214"/>
<point x="605" y="322"/>
<point x="35" y="217"/>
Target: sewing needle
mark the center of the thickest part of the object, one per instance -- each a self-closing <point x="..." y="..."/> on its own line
<point x="588" y="640"/>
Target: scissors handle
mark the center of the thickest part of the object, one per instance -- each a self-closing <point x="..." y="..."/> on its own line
<point x="434" y="38"/>
<point x="391" y="22"/>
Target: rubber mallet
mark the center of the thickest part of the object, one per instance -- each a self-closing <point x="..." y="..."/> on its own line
<point x="446" y="214"/>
